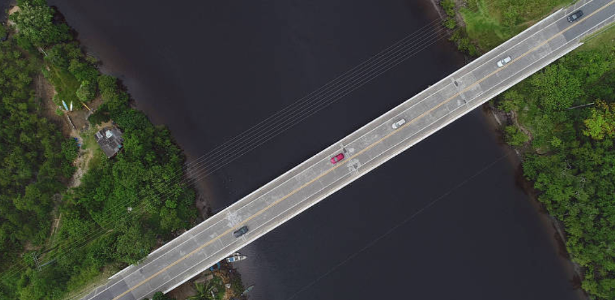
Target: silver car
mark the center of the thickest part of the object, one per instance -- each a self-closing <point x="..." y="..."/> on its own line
<point x="504" y="61"/>
<point x="398" y="123"/>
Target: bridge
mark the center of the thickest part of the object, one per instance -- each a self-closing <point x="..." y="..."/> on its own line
<point x="365" y="149"/>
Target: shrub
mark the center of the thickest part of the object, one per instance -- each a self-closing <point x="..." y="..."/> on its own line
<point x="86" y="91"/>
<point x="449" y="7"/>
<point x="514" y="136"/>
<point x="450" y="23"/>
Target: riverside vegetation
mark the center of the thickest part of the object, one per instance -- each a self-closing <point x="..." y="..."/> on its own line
<point x="564" y="123"/>
<point x="480" y="25"/>
<point x="122" y="207"/>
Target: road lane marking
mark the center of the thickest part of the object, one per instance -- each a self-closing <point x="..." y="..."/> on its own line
<point x="360" y="152"/>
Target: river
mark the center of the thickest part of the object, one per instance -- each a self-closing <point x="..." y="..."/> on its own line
<point x="445" y="220"/>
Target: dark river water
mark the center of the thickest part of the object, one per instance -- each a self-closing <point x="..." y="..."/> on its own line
<point x="445" y="220"/>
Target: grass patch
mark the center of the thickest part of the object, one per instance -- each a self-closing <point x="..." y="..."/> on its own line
<point x="89" y="142"/>
<point x="489" y="23"/>
<point x="66" y="85"/>
<point x="601" y="40"/>
<point x="484" y="27"/>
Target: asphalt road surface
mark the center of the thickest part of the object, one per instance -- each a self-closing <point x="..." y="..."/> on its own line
<point x="365" y="149"/>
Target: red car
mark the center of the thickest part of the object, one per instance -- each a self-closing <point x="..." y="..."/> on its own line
<point x="337" y="158"/>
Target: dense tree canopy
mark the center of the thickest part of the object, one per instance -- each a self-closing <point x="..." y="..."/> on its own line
<point x="570" y="109"/>
<point x="35" y="158"/>
<point x="601" y="123"/>
<point x="556" y="88"/>
<point x="35" y="22"/>
<point x="123" y="207"/>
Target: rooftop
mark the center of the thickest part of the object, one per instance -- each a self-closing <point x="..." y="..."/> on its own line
<point x="110" y="140"/>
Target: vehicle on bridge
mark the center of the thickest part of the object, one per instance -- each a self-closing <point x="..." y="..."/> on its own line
<point x="398" y="123"/>
<point x="337" y="158"/>
<point x="241" y="231"/>
<point x="504" y="61"/>
<point x="575" y="16"/>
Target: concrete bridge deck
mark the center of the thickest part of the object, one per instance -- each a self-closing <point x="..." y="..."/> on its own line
<point x="365" y="149"/>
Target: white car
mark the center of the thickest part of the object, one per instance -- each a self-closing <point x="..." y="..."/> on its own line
<point x="398" y="124"/>
<point x="504" y="61"/>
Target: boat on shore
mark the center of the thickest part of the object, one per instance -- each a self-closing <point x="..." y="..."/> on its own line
<point x="235" y="257"/>
<point x="247" y="290"/>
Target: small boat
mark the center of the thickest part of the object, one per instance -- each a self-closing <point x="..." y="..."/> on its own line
<point x="236" y="257"/>
<point x="247" y="290"/>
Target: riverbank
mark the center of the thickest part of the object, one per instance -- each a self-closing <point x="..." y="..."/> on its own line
<point x="112" y="212"/>
<point x="498" y="121"/>
<point x="552" y="122"/>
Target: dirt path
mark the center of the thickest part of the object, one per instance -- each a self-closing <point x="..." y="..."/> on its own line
<point x="81" y="163"/>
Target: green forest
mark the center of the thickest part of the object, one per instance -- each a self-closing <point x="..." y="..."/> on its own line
<point x="569" y="110"/>
<point x="36" y="158"/>
<point x="123" y="208"/>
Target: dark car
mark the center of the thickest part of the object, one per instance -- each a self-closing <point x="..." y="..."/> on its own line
<point x="241" y="231"/>
<point x="337" y="158"/>
<point x="575" y="16"/>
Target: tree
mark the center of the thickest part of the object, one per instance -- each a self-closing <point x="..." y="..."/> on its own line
<point x="40" y="285"/>
<point x="210" y="290"/>
<point x="203" y="291"/>
<point x="107" y="85"/>
<point x="83" y="71"/>
<point x="60" y="55"/>
<point x="134" y="245"/>
<point x="86" y="91"/>
<point x="31" y="155"/>
<point x="601" y="123"/>
<point x="449" y="7"/>
<point x="35" y="23"/>
<point x="556" y="88"/>
<point x="514" y="136"/>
